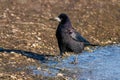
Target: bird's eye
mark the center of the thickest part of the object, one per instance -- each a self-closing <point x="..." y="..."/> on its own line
<point x="61" y="19"/>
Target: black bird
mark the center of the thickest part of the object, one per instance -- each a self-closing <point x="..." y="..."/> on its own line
<point x="69" y="40"/>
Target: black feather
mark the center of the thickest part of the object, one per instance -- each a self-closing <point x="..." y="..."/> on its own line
<point x="69" y="40"/>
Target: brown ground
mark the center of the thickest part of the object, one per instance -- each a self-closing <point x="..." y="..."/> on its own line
<point x="25" y="25"/>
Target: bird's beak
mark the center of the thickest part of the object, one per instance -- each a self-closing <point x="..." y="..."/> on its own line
<point x="58" y="19"/>
<point x="55" y="19"/>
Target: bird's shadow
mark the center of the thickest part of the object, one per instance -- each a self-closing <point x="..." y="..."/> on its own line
<point x="36" y="56"/>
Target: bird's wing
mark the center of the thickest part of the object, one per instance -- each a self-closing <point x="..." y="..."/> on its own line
<point x="76" y="36"/>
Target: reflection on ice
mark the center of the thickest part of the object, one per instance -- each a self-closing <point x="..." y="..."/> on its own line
<point x="102" y="64"/>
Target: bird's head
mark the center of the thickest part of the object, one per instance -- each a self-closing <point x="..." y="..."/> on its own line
<point x="62" y="18"/>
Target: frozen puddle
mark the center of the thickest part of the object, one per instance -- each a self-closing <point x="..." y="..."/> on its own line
<point x="102" y="64"/>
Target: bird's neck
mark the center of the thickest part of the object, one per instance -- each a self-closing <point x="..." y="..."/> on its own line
<point x="66" y="23"/>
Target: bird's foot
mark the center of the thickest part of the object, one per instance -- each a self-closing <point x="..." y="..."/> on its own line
<point x="75" y="61"/>
<point x="59" y="57"/>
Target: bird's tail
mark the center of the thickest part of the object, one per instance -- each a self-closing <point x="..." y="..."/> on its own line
<point x="91" y="44"/>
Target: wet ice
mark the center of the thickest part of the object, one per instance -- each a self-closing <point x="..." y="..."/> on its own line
<point x="101" y="64"/>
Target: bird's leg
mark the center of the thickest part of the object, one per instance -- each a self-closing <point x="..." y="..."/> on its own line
<point x="59" y="56"/>
<point x="61" y="53"/>
<point x="75" y="59"/>
<point x="61" y="50"/>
